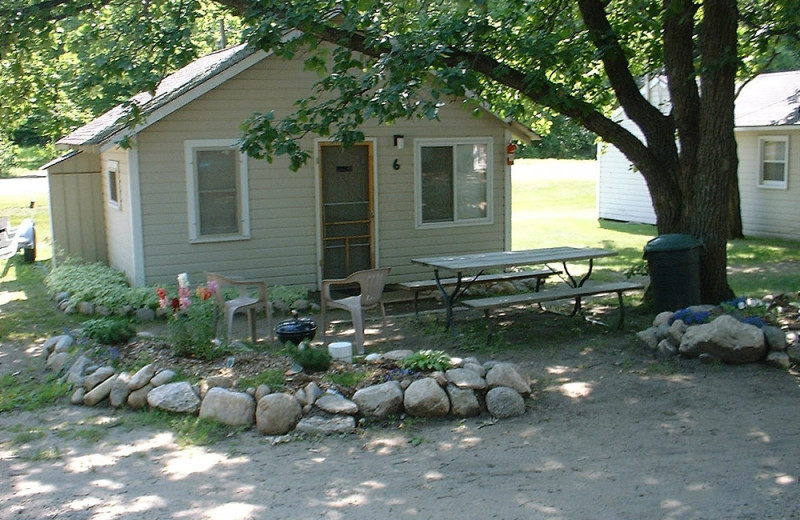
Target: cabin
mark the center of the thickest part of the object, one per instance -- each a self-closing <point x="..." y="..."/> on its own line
<point x="768" y="139"/>
<point x="174" y="194"/>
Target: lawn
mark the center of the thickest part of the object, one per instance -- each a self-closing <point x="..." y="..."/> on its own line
<point x="554" y="204"/>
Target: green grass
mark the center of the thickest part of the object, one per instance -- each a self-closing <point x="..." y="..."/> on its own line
<point x="273" y="378"/>
<point x="346" y="379"/>
<point x="25" y="391"/>
<point x="189" y="429"/>
<point x="554" y="204"/>
<point x="28" y="313"/>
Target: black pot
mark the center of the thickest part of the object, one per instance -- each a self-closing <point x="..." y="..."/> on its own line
<point x="296" y="330"/>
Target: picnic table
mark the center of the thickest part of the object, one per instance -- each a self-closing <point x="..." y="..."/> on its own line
<point x="476" y="264"/>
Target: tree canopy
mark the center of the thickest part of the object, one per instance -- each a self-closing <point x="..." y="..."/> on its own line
<point x="525" y="60"/>
<point x="64" y="62"/>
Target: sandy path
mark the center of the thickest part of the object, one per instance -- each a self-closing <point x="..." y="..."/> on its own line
<point x="600" y="440"/>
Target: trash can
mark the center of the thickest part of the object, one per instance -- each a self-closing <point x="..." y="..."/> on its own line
<point x="673" y="261"/>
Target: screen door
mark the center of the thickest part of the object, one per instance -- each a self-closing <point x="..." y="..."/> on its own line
<point x="347" y="213"/>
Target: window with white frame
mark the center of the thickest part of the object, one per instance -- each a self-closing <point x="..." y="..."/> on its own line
<point x="453" y="181"/>
<point x="773" y="161"/>
<point x="112" y="183"/>
<point x="216" y="175"/>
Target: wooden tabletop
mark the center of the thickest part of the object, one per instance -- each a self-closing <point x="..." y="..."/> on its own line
<point x="501" y="259"/>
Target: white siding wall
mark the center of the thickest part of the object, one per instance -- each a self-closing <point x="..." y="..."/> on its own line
<point x="118" y="219"/>
<point x="622" y="193"/>
<point x="283" y="213"/>
<point x="765" y="211"/>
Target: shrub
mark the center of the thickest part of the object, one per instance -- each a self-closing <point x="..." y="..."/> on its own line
<point x="347" y="379"/>
<point x="192" y="321"/>
<point x="427" y="360"/>
<point x="311" y="359"/>
<point x="108" y="331"/>
<point x="7" y="157"/>
<point x="99" y="284"/>
<point x="287" y="294"/>
<point x="273" y="378"/>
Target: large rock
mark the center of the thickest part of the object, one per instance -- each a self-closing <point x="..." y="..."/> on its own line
<point x="397" y="355"/>
<point x="62" y="343"/>
<point x="97" y="377"/>
<point x="775" y="338"/>
<point x="142" y="376"/>
<point x="380" y="400"/>
<point x="174" y="397"/>
<point x="99" y="392"/>
<point x="465" y="378"/>
<point x="778" y="360"/>
<point x="138" y="398"/>
<point x="326" y="425"/>
<point x="162" y="377"/>
<point x="227" y="407"/>
<point x="336" y="404"/>
<point x="794" y="353"/>
<point x="676" y="332"/>
<point x="57" y="361"/>
<point x="426" y="398"/>
<point x="120" y="390"/>
<point x="277" y="414"/>
<point x="509" y="375"/>
<point x="662" y="318"/>
<point x="77" y="395"/>
<point x="504" y="402"/>
<point x="726" y="339"/>
<point x="463" y="401"/>
<point x="75" y="373"/>
<point x="648" y="338"/>
<point x="475" y="367"/>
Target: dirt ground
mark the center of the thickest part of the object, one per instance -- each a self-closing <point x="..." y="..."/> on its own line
<point x="610" y="433"/>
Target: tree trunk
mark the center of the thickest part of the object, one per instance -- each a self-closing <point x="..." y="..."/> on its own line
<point x="717" y="161"/>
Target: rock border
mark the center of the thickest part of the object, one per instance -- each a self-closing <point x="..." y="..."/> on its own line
<point x="468" y="389"/>
<point x="725" y="339"/>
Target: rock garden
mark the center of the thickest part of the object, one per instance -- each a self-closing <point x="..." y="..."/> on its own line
<point x="185" y="369"/>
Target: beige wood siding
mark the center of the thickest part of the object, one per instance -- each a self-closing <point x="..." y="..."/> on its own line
<point x="118" y="219"/>
<point x="768" y="212"/>
<point x="76" y="208"/>
<point x="283" y="213"/>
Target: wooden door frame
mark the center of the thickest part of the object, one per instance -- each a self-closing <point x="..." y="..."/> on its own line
<point x="372" y="161"/>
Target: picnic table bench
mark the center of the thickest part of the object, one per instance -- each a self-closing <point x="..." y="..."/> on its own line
<point x="419" y="286"/>
<point x="558" y="293"/>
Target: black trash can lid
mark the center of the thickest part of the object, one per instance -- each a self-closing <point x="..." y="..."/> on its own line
<point x="672" y="242"/>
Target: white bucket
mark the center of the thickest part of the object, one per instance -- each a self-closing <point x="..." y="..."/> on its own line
<point x="341" y="351"/>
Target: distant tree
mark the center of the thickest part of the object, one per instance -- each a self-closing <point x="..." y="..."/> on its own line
<point x="63" y="62"/>
<point x="561" y="139"/>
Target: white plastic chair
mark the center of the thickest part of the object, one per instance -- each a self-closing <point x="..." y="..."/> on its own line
<point x="370" y="282"/>
<point x="244" y="302"/>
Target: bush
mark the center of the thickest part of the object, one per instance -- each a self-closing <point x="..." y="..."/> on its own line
<point x="287" y="294"/>
<point x="427" y="360"/>
<point x="108" y="331"/>
<point x="7" y="157"/>
<point x="311" y="359"/>
<point x="99" y="284"/>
